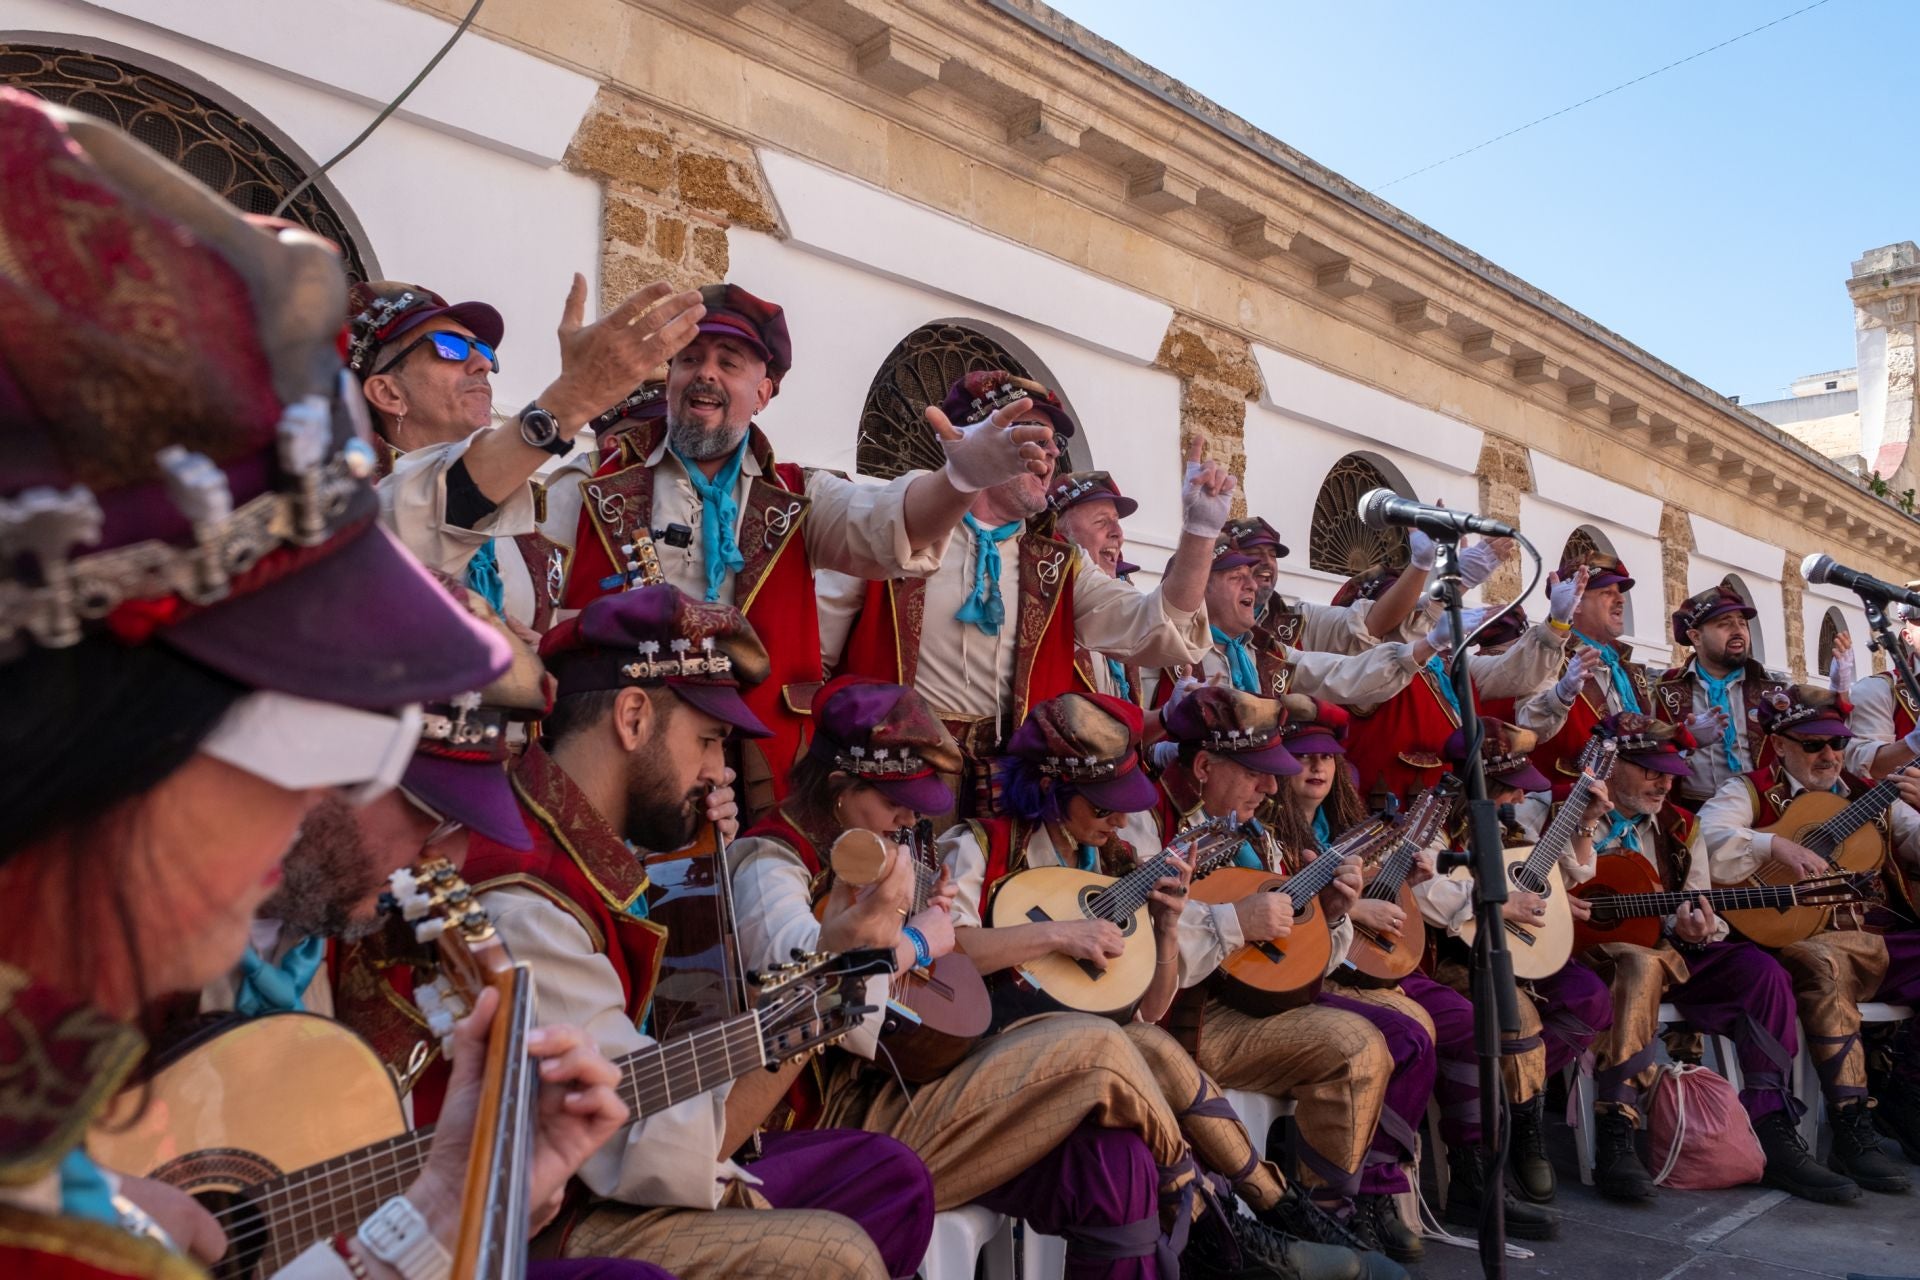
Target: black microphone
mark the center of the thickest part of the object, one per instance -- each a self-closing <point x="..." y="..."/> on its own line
<point x="1823" y="568"/>
<point x="1380" y="508"/>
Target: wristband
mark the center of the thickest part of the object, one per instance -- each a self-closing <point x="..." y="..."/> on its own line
<point x="922" y="953"/>
<point x="398" y="1236"/>
<point x="348" y="1256"/>
<point x="1564" y="628"/>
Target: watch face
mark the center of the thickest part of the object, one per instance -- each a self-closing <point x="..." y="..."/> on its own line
<point x="538" y="427"/>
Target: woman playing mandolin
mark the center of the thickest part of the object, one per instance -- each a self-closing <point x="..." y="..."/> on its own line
<point x="169" y="751"/>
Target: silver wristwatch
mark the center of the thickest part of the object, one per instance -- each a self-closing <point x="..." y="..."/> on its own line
<point x="398" y="1236"/>
<point x="541" y="430"/>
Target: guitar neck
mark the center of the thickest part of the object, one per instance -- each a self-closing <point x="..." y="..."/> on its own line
<point x="1632" y="906"/>
<point x="1866" y="808"/>
<point x="1559" y="833"/>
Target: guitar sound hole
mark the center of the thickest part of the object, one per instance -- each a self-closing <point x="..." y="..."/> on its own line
<point x="1524" y="881"/>
<point x="1087" y="895"/>
<point x="247" y="1233"/>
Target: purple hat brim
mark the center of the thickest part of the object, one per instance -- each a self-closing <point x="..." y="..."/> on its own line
<point x="1125" y="568"/>
<point x="1274" y="759"/>
<point x="722" y="702"/>
<point x="1824" y="727"/>
<point x="475" y="794"/>
<point x="1064" y="425"/>
<point x="1315" y="743"/>
<point x="1526" y="777"/>
<point x="922" y="795"/>
<point x="733" y="329"/>
<point x="1608" y="578"/>
<point x="1231" y="560"/>
<point x="1129" y="792"/>
<point x="313" y="635"/>
<point x="1661" y="762"/>
<point x="1746" y="611"/>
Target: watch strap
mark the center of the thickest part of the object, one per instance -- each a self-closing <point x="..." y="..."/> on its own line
<point x="398" y="1235"/>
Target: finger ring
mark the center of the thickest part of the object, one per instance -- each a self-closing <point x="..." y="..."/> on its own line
<point x="1539" y="911"/>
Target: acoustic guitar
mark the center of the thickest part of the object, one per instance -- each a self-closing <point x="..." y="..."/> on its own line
<point x="1382" y="959"/>
<point x="1629" y="903"/>
<point x="1836" y="829"/>
<point x="937" y="1012"/>
<point x="1263" y="978"/>
<point x="1542" y="950"/>
<point x="280" y="1175"/>
<point x="1041" y="894"/>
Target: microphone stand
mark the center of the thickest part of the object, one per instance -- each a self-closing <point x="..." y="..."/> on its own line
<point x="1496" y="1012"/>
<point x="1886" y="642"/>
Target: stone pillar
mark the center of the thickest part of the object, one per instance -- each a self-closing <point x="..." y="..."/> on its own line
<point x="1505" y="474"/>
<point x="1217" y="377"/>
<point x="1793" y="598"/>
<point x="1676" y="547"/>
<point x="1885" y="289"/>
<point x="672" y="190"/>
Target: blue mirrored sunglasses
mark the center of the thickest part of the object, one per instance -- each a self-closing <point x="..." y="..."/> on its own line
<point x="448" y="346"/>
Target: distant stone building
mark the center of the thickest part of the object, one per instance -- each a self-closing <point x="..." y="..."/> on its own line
<point x="930" y="185"/>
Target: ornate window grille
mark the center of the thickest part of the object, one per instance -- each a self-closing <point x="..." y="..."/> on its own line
<point x="894" y="435"/>
<point x="1829" y="633"/>
<point x="1580" y="544"/>
<point x="1338" y="542"/>
<point x="225" y="151"/>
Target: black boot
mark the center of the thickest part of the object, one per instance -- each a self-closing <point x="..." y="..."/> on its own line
<point x="1856" y="1150"/>
<point x="1298" y="1216"/>
<point x="1791" y="1168"/>
<point x="1377" y="1224"/>
<point x="1226" y="1243"/>
<point x="1898" y="1116"/>
<point x="1466" y="1191"/>
<point x="1617" y="1168"/>
<point x="1532" y="1172"/>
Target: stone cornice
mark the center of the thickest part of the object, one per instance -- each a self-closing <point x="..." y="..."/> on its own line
<point x="1118" y="161"/>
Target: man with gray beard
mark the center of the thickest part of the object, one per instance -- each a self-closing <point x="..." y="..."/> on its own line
<point x="753" y="531"/>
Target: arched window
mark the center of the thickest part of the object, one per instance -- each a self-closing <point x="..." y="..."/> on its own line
<point x="221" y="147"/>
<point x="1832" y="627"/>
<point x="894" y="435"/>
<point x="1337" y="542"/>
<point x="1754" y="638"/>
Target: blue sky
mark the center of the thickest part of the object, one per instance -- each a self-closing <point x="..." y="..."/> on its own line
<point x="1710" y="214"/>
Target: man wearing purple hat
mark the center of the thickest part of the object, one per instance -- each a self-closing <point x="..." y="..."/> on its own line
<point x="1348" y="626"/>
<point x="996" y="630"/>
<point x="459" y="481"/>
<point x="1720" y="987"/>
<point x="1867" y="952"/>
<point x="1711" y="692"/>
<point x="651" y="684"/>
<point x="755" y="531"/>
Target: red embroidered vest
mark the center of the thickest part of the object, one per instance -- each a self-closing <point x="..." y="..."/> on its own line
<point x="1673" y="703"/>
<point x="1905" y="714"/>
<point x="1559" y="756"/>
<point x="774" y="589"/>
<point x="1397" y="748"/>
<point x="885" y="640"/>
<point x="373" y="997"/>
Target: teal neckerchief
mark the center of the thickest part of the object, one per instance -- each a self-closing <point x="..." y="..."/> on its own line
<point x="1622" y="682"/>
<point x="983" y="607"/>
<point x="1122" y="687"/>
<point x="1089" y="858"/>
<point x="483" y="575"/>
<point x="719" y="513"/>
<point x="1717" y="697"/>
<point x="266" y="987"/>
<point x="1622" y="833"/>
<point x="1240" y="663"/>
<point x="1322" y="829"/>
<point x="85" y="1191"/>
<point x="1439" y="669"/>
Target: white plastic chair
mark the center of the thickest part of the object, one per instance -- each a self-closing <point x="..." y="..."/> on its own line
<point x="1723" y="1057"/>
<point x="1806" y="1077"/>
<point x="965" y="1237"/>
<point x="1258" y="1111"/>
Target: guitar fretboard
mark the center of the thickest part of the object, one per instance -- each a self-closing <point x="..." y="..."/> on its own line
<point x="1628" y="906"/>
<point x="1827" y="838"/>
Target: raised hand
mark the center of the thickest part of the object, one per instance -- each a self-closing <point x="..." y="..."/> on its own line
<point x="994" y="451"/>
<point x="1206" y="493"/>
<point x="1580" y="669"/>
<point x="1563" y="597"/>
<point x="1840" y="672"/>
<point x="602" y="362"/>
<point x="1478" y="561"/>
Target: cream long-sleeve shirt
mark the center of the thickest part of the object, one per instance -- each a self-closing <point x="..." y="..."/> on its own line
<point x="413" y="503"/>
<point x="670" y="1158"/>
<point x="1357" y="680"/>
<point x="1737" y="850"/>
<point x="1871" y="721"/>
<point x="1334" y="628"/>
<point x="1447" y="901"/>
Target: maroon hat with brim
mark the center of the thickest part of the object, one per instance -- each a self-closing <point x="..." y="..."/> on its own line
<point x="657" y="635"/>
<point x="1650" y="743"/>
<point x="1091" y="743"/>
<point x="381" y="314"/>
<point x="1242" y="727"/>
<point x="886" y="736"/>
<point x="1716" y="601"/>
<point x="1603" y="570"/>
<point x="1324" y="733"/>
<point x="1505" y="754"/>
<point x="732" y="312"/>
<point x="978" y="395"/>
<point x="364" y="626"/>
<point x="1225" y="558"/>
<point x="476" y="794"/>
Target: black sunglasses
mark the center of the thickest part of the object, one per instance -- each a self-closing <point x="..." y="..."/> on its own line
<point x="1811" y="745"/>
<point x="448" y="346"/>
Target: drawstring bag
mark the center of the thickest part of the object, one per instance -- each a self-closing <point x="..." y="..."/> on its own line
<point x="1697" y="1120"/>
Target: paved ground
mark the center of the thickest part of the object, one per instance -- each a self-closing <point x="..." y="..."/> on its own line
<point x="1749" y="1233"/>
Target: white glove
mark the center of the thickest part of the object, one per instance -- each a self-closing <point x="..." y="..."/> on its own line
<point x="1201" y="513"/>
<point x="1563" y="598"/>
<point x="1579" y="667"/>
<point x="1421" y="550"/>
<point x="1708" y="726"/>
<point x="1480" y="559"/>
<point x="1840" y="674"/>
<point x="985" y="455"/>
<point x="1441" y="636"/>
<point x="1163" y="753"/>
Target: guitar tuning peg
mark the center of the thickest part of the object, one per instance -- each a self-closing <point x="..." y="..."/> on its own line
<point x="429" y="930"/>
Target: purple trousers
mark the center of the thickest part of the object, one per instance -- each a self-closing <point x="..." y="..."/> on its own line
<point x="1100" y="1190"/>
<point x="1575" y="1007"/>
<point x="1457" y="1084"/>
<point x="878" y="1182"/>
<point x="595" y="1269"/>
<point x="1409" y="1089"/>
<point x="1902" y="986"/>
<point x="1734" y="989"/>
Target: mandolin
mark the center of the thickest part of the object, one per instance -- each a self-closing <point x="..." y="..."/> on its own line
<point x="1839" y="830"/>
<point x="279" y="1176"/>
<point x="1629" y="904"/>
<point x="1382" y="959"/>
<point x="1542" y="950"/>
<point x="1263" y="978"/>
<point x="1040" y="894"/>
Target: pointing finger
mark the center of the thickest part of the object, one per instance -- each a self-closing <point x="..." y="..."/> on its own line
<point x="1197" y="447"/>
<point x="941" y="424"/>
<point x="574" y="312"/>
